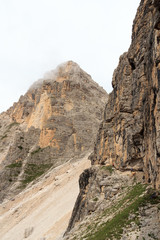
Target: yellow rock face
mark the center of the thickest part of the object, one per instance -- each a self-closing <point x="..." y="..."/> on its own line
<point x="55" y="121"/>
<point x="130" y="134"/>
<point x="42" y="113"/>
<point x="68" y="106"/>
<point x="47" y="139"/>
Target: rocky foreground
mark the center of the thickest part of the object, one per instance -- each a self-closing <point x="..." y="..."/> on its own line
<point x="114" y="205"/>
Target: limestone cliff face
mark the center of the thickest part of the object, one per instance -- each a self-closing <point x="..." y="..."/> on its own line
<point x="129" y="136"/>
<point x="56" y="120"/>
<point x="61" y="106"/>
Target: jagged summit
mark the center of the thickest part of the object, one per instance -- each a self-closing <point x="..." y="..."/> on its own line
<point x="56" y="120"/>
<point x="65" y="71"/>
<point x="67" y="81"/>
<point x="60" y="73"/>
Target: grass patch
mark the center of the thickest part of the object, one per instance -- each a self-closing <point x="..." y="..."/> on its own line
<point x="34" y="171"/>
<point x="12" y="125"/>
<point x="3" y="137"/>
<point x="130" y="204"/>
<point x="108" y="168"/>
<point x="20" y="147"/>
<point x="8" y="128"/>
<point x="95" y="199"/>
<point x="151" y="235"/>
<point x="37" y="150"/>
<point x="14" y="165"/>
<point x="15" y="169"/>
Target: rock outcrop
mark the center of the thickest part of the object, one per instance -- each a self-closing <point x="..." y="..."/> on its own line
<point x="56" y="120"/>
<point x="113" y="205"/>
<point x="129" y="136"/>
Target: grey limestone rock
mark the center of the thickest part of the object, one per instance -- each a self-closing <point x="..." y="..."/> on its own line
<point x="55" y="121"/>
<point x="129" y="135"/>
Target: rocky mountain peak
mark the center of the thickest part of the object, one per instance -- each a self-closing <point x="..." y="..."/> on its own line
<point x="69" y="70"/>
<point x="56" y="120"/>
<point x="64" y="69"/>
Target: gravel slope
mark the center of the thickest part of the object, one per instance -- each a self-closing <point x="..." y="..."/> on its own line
<point x="42" y="211"/>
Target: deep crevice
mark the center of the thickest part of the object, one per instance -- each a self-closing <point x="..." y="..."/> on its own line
<point x="132" y="63"/>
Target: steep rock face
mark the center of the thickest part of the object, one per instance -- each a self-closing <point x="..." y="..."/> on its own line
<point x="129" y="136"/>
<point x="97" y="188"/>
<point x="82" y="206"/>
<point x="56" y="120"/>
<point x="114" y="205"/>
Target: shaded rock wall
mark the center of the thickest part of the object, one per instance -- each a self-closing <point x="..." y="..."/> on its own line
<point x="129" y="136"/>
<point x="82" y="206"/>
<point x="97" y="186"/>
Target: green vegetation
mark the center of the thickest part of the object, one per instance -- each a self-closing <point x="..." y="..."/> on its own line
<point x="37" y="150"/>
<point x="34" y="171"/>
<point x="3" y="136"/>
<point x="15" y="169"/>
<point x="14" y="165"/>
<point x="113" y="229"/>
<point x="151" y="235"/>
<point x="20" y="147"/>
<point x="12" y="125"/>
<point x="95" y="199"/>
<point x="108" y="168"/>
<point x="8" y="128"/>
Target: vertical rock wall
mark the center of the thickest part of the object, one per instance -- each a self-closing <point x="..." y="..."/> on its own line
<point x="129" y="136"/>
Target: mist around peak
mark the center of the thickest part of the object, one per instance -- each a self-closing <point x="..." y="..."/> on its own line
<point x="51" y="76"/>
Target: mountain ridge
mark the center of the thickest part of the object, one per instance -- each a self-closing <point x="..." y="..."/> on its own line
<point x="53" y="122"/>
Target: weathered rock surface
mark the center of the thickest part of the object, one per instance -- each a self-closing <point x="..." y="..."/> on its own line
<point x="96" y="184"/>
<point x="56" y="120"/>
<point x="42" y="211"/>
<point x="113" y="205"/>
<point x="129" y="136"/>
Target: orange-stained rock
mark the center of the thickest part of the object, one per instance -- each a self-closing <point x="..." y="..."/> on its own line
<point x="55" y="121"/>
<point x="130" y="133"/>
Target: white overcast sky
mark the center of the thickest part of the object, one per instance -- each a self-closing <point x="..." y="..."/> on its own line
<point x="37" y="35"/>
